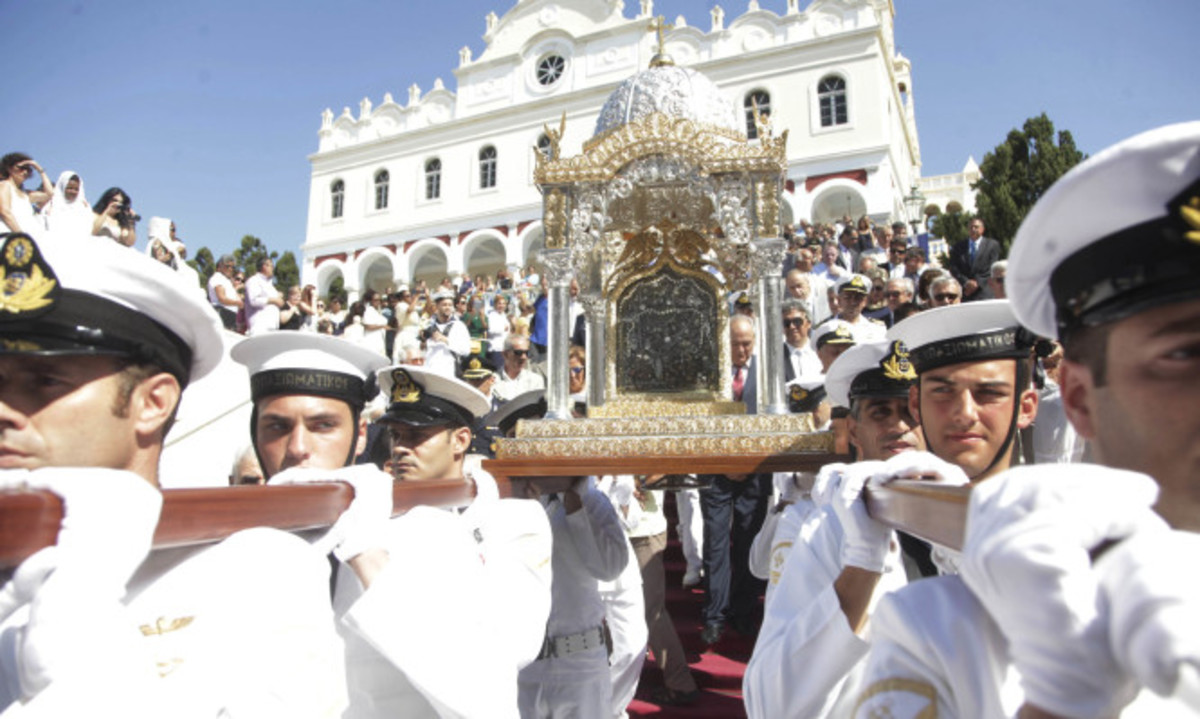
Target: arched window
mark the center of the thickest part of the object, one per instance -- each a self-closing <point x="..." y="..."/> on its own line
<point x="433" y="179"/>
<point x="543" y="145"/>
<point x="381" y="189"/>
<point x="337" y="196"/>
<point x="761" y="98"/>
<point x="487" y="167"/>
<point x="831" y="95"/>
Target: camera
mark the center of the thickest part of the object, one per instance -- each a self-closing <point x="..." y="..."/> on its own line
<point x="126" y="217"/>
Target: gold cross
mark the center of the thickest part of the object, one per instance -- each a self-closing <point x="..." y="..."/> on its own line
<point x="660" y="23"/>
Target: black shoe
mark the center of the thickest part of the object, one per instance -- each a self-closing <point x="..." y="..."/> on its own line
<point x="665" y="697"/>
<point x="711" y="634"/>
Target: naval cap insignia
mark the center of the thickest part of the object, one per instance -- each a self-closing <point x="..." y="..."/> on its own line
<point x="404" y="389"/>
<point x="28" y="285"/>
<point x="896" y="365"/>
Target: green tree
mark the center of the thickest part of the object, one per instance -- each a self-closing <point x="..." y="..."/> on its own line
<point x="951" y="225"/>
<point x="337" y="290"/>
<point x="251" y="251"/>
<point x="1018" y="171"/>
<point x="287" y="272"/>
<point x="204" y="264"/>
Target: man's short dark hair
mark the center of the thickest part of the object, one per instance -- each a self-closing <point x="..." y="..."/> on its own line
<point x="262" y="262"/>
<point x="916" y="252"/>
<point x="1088" y="346"/>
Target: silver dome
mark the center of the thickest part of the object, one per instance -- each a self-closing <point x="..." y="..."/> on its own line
<point x="675" y="91"/>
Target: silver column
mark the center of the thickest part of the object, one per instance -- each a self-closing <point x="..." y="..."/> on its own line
<point x="557" y="268"/>
<point x="593" y="310"/>
<point x="767" y="265"/>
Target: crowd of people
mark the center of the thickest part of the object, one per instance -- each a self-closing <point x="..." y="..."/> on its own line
<point x="1067" y="599"/>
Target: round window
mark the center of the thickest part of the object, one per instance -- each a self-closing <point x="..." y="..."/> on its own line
<point x="550" y="69"/>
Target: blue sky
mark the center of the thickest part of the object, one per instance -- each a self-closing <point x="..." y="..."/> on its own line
<point x="206" y="111"/>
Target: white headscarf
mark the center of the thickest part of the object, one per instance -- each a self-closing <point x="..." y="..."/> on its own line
<point x="65" y="218"/>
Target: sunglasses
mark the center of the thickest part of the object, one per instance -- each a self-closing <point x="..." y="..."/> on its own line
<point x="519" y="353"/>
<point x="893" y="293"/>
<point x="945" y="296"/>
<point x="794" y="322"/>
<point x="576" y="370"/>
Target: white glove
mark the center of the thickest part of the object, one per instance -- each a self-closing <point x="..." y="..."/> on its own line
<point x="74" y="588"/>
<point x="826" y="482"/>
<point x="866" y="541"/>
<point x="1026" y="558"/>
<point x="364" y="523"/>
<point x="922" y="465"/>
<point x="1154" y="607"/>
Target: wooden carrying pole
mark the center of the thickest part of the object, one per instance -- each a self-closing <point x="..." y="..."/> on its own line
<point x="934" y="512"/>
<point x="29" y="520"/>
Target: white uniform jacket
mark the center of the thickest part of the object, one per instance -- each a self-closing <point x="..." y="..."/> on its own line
<point x="806" y="648"/>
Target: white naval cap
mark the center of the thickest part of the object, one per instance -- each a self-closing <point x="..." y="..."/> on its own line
<point x="309" y="364"/>
<point x="443" y="295"/>
<point x="833" y="332"/>
<point x="971" y="332"/>
<point x="806" y="392"/>
<point x="422" y="398"/>
<point x="874" y="369"/>
<point x="92" y="297"/>
<point x="1118" y="234"/>
<point x="853" y="283"/>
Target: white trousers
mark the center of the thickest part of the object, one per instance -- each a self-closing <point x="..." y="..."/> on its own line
<point x="690" y="528"/>
<point x="625" y="611"/>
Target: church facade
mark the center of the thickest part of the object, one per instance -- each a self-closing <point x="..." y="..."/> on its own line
<point x="441" y="183"/>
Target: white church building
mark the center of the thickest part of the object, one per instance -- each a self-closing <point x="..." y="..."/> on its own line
<point x="441" y="182"/>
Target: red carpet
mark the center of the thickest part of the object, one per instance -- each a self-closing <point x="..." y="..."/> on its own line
<point x="718" y="670"/>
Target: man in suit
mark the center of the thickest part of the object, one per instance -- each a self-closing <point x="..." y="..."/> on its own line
<point x="971" y="262"/>
<point x="849" y="250"/>
<point x="734" y="508"/>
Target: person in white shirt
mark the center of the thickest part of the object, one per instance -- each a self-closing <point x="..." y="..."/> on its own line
<point x="93" y="367"/>
<point x="801" y="359"/>
<point x="1069" y="625"/>
<point x="499" y="325"/>
<point x="571" y="675"/>
<point x="263" y="300"/>
<point x="515" y="377"/>
<point x="402" y="654"/>
<point x="828" y="571"/>
<point x="828" y="268"/>
<point x="446" y="338"/>
<point x="222" y="295"/>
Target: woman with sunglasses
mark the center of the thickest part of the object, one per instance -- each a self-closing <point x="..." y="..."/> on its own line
<point x="16" y="204"/>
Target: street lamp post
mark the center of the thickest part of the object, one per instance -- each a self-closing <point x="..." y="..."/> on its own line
<point x="915" y="202"/>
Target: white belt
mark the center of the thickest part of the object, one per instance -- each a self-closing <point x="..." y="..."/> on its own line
<point x="572" y="643"/>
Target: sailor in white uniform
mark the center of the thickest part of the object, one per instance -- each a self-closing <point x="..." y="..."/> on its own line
<point x="98" y="344"/>
<point x="973" y="395"/>
<point x="571" y="675"/>
<point x="446" y="337"/>
<point x="838" y="562"/>
<point x="401" y="656"/>
<point x="1107" y="262"/>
